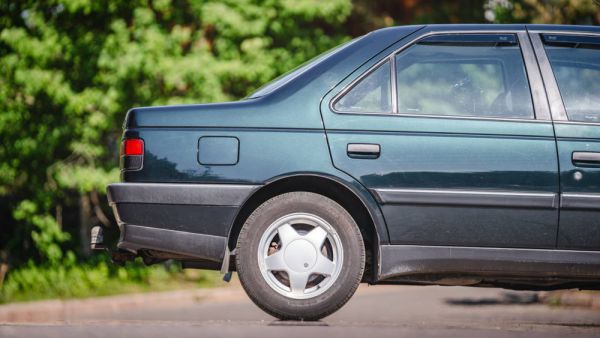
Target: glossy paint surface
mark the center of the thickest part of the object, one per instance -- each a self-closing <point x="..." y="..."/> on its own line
<point x="265" y="155"/>
<point x="579" y="225"/>
<point x="219" y="150"/>
<point x="437" y="153"/>
<point x="463" y="158"/>
<point x="462" y="154"/>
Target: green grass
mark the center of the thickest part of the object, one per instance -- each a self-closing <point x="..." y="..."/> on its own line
<point x="99" y="278"/>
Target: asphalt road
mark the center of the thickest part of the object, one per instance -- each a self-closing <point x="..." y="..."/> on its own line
<point x="375" y="311"/>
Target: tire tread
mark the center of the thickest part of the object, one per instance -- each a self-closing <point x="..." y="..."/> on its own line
<point x="243" y="239"/>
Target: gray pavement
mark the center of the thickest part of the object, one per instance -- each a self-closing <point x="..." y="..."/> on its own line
<point x="375" y="311"/>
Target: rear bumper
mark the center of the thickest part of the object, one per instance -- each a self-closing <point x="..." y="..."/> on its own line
<point x="191" y="220"/>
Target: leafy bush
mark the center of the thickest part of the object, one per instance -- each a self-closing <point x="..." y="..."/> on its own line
<point x="98" y="278"/>
<point x="70" y="70"/>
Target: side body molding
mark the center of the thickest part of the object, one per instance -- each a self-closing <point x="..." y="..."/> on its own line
<point x="405" y="260"/>
<point x="467" y="197"/>
<point x="174" y="193"/>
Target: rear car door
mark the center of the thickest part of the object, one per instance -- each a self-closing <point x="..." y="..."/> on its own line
<point x="447" y="134"/>
<point x="570" y="63"/>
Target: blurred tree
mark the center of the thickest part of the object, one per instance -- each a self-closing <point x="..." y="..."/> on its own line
<point x="368" y="15"/>
<point x="575" y="12"/>
<point x="69" y="70"/>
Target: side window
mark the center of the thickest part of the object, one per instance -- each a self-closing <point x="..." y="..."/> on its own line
<point x="464" y="75"/>
<point x="576" y="65"/>
<point x="371" y="95"/>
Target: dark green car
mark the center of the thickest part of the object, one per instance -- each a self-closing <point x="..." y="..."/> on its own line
<point x="445" y="154"/>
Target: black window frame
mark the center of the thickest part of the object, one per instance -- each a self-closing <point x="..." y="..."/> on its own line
<point x="565" y="39"/>
<point x="365" y="75"/>
<point x="541" y="110"/>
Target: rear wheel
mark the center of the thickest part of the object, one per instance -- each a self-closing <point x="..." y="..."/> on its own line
<point x="300" y="256"/>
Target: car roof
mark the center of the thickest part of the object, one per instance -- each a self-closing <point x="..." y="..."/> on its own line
<point x="566" y="28"/>
<point x="492" y="27"/>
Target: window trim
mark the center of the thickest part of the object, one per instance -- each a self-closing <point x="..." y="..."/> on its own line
<point x="541" y="111"/>
<point x="355" y="83"/>
<point x="557" y="105"/>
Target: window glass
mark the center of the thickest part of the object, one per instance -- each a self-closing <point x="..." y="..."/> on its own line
<point x="371" y="95"/>
<point x="577" y="73"/>
<point x="468" y="79"/>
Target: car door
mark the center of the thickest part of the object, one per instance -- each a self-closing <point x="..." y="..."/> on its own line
<point x="570" y="63"/>
<point x="448" y="136"/>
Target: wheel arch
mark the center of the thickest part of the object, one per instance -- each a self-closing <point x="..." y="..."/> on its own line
<point x="350" y="194"/>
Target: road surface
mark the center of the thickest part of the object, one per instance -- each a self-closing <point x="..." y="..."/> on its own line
<point x="375" y="311"/>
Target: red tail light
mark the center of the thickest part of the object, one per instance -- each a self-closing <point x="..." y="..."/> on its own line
<point x="133" y="146"/>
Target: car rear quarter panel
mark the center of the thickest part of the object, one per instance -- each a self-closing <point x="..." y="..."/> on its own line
<point x="171" y="155"/>
<point x="280" y="134"/>
<point x="265" y="155"/>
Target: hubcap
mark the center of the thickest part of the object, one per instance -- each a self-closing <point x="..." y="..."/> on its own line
<point x="300" y="255"/>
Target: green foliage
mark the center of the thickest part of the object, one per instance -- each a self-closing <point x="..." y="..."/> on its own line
<point x="69" y="70"/>
<point x="46" y="234"/>
<point x="580" y="12"/>
<point x="96" y="279"/>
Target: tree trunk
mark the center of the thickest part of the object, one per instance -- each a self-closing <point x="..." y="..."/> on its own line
<point x="85" y="223"/>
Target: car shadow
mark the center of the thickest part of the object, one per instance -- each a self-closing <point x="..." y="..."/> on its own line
<point x="297" y="323"/>
<point x="506" y="298"/>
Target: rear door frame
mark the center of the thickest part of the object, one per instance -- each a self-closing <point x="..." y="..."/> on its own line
<point x="395" y="255"/>
<point x="569" y="201"/>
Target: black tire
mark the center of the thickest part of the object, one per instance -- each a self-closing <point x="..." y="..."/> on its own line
<point x="339" y="292"/>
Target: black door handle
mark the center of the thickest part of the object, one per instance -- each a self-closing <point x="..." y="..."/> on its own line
<point x="585" y="157"/>
<point x="363" y="150"/>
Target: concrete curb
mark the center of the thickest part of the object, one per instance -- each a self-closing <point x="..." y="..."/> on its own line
<point x="66" y="310"/>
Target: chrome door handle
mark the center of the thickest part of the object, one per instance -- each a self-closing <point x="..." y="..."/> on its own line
<point x="585" y="157"/>
<point x="363" y="150"/>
